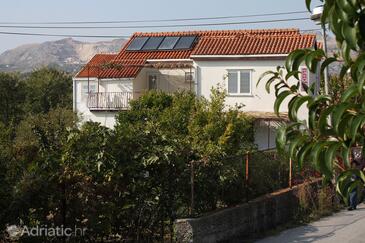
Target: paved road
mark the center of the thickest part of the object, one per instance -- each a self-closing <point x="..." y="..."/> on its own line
<point x="343" y="227"/>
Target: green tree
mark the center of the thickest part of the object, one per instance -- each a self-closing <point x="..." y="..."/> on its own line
<point x="47" y="89"/>
<point x="11" y="98"/>
<point x="158" y="140"/>
<point x="5" y="175"/>
<point x="38" y="169"/>
<point x="333" y="128"/>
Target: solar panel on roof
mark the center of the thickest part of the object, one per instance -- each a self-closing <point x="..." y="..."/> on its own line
<point x="185" y="42"/>
<point x="169" y="42"/>
<point x="152" y="43"/>
<point x="137" y="43"/>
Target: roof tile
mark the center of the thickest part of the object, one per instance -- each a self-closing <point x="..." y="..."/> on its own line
<point x="127" y="64"/>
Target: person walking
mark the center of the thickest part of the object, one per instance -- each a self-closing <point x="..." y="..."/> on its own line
<point x="353" y="195"/>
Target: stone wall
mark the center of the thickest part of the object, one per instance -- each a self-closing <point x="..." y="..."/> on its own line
<point x="251" y="218"/>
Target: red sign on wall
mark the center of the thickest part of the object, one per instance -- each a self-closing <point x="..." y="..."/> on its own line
<point x="304" y="78"/>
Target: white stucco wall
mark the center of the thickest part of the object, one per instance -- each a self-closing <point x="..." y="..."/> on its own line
<point x="80" y="99"/>
<point x="169" y="80"/>
<point x="213" y="73"/>
<point x="210" y="74"/>
<point x="207" y="74"/>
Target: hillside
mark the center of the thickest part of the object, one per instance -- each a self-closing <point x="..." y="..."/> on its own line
<point x="67" y="54"/>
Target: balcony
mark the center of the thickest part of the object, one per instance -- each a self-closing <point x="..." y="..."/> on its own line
<point x="109" y="101"/>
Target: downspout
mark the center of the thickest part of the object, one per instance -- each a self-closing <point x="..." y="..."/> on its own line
<point x="268" y="135"/>
<point x="74" y="94"/>
<point x="97" y="104"/>
<point x="196" y="83"/>
<point x="190" y="81"/>
<point x="88" y="80"/>
<point x="88" y="86"/>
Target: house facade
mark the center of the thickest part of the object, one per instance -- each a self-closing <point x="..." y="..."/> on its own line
<point x="195" y="61"/>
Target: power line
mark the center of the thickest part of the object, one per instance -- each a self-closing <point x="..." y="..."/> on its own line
<point x="63" y="35"/>
<point x="158" y="20"/>
<point x="84" y="36"/>
<point x="152" y="26"/>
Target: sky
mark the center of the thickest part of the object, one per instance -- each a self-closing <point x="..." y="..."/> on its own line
<point x="115" y="10"/>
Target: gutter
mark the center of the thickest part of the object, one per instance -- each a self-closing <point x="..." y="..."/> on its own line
<point x="239" y="56"/>
<point x="169" y="60"/>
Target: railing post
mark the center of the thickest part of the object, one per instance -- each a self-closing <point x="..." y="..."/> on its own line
<point x="97" y="100"/>
<point x="192" y="187"/>
<point x="109" y="100"/>
<point x="290" y="173"/>
<point x="247" y="176"/>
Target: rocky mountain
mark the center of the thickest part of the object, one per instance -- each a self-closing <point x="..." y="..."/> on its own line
<point x="67" y="54"/>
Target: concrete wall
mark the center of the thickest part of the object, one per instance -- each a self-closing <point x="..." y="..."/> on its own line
<point x="168" y="80"/>
<point x="249" y="219"/>
<point x="80" y="99"/>
<point x="207" y="74"/>
<point x="214" y="73"/>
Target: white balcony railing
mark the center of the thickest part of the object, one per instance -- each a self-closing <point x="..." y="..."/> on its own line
<point x="109" y="101"/>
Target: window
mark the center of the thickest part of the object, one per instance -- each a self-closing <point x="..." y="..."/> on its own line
<point x="239" y="82"/>
<point x="189" y="77"/>
<point x="152" y="81"/>
<point x="86" y="89"/>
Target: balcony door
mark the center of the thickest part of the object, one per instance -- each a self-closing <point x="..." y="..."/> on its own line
<point x="153" y="82"/>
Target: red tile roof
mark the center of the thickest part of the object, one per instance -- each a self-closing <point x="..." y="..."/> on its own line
<point x="94" y="67"/>
<point x="252" y="44"/>
<point x="127" y="64"/>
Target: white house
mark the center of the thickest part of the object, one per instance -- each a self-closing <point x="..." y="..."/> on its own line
<point x="196" y="61"/>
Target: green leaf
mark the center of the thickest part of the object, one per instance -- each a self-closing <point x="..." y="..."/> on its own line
<point x="320" y="164"/>
<point x="349" y="93"/>
<point x="345" y="154"/>
<point x="327" y="62"/>
<point x="318" y="100"/>
<point x="295" y="143"/>
<point x="312" y="119"/>
<point x="330" y="154"/>
<point x="281" y="138"/>
<point x="262" y="76"/>
<point x="293" y="58"/>
<point x="335" y="24"/>
<point x="346" y="6"/>
<point x="269" y="82"/>
<point x="292" y="73"/>
<point x="349" y="33"/>
<point x="290" y="106"/>
<point x="343" y="181"/>
<point x="323" y="119"/>
<point x="313" y="58"/>
<point x="280" y="99"/>
<point x="346" y="53"/>
<point x="355" y="125"/>
<point x="343" y="127"/>
<point x="361" y="81"/>
<point x="343" y="71"/>
<point x="338" y="112"/>
<point x="303" y="152"/>
<point x="308" y="4"/>
<point x="278" y="87"/>
<point x="297" y="104"/>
